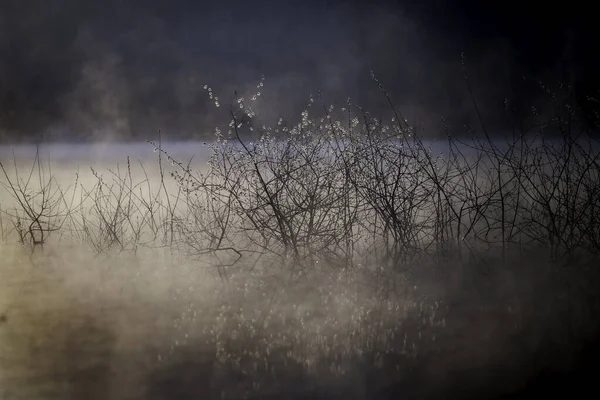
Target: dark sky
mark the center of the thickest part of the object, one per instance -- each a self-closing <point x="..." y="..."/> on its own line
<point x="106" y="69"/>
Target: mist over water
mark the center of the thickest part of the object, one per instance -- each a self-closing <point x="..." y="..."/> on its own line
<point x="344" y="200"/>
<point x="155" y="321"/>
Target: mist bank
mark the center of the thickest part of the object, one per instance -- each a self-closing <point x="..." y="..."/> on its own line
<point x="72" y="77"/>
<point x="545" y="111"/>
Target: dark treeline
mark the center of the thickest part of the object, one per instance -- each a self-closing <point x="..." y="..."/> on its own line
<point x="121" y="70"/>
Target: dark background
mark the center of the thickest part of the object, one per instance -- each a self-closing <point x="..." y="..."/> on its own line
<point x="74" y="70"/>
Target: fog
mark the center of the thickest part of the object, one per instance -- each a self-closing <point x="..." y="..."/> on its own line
<point x="156" y="317"/>
<point x="114" y="71"/>
<point x="277" y="201"/>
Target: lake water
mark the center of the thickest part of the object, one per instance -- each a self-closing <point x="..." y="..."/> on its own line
<point x="151" y="325"/>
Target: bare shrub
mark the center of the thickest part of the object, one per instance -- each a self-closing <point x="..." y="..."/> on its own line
<point x="42" y="205"/>
<point x="364" y="216"/>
